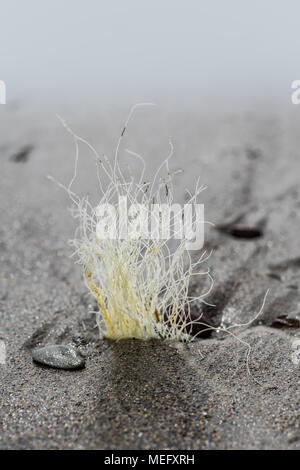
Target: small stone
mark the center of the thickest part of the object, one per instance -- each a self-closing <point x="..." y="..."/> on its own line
<point x="274" y="276"/>
<point x="59" y="356"/>
<point x="245" y="231"/>
<point x="285" y="321"/>
<point x="293" y="437"/>
<point x="22" y="155"/>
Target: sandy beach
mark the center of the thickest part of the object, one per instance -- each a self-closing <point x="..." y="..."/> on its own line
<point x="152" y="395"/>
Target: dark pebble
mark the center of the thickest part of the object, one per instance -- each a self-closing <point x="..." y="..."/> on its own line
<point x="283" y="321"/>
<point x="22" y="155"/>
<point x="274" y="276"/>
<point x="59" y="356"/>
<point x="245" y="231"/>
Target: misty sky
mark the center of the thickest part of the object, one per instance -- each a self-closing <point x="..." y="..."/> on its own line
<point x="144" y="49"/>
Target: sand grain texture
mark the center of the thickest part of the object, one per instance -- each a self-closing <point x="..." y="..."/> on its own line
<point x="136" y="395"/>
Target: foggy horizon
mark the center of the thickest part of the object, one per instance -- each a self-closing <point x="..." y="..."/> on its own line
<point x="150" y="50"/>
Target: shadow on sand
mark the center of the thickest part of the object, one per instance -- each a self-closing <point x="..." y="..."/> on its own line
<point x="152" y="388"/>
